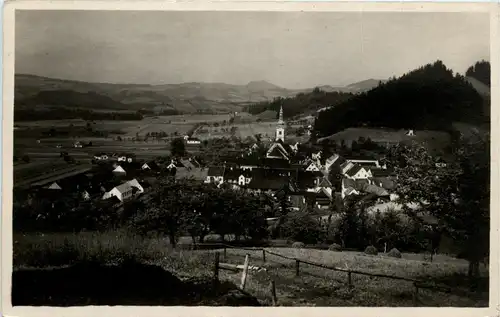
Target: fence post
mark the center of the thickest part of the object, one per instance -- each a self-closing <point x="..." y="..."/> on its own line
<point x="273" y="293"/>
<point x="297" y="263"/>
<point x="244" y="274"/>
<point x="415" y="294"/>
<point x="349" y="279"/>
<point x="264" y="255"/>
<point x="216" y="267"/>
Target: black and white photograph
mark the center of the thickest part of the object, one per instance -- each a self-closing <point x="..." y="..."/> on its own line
<point x="251" y="158"/>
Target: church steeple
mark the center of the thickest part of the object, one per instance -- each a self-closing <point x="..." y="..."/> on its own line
<point x="280" y="120"/>
<point x="280" y="129"/>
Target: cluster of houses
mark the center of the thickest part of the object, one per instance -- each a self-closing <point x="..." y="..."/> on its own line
<point x="304" y="179"/>
<point x="108" y="183"/>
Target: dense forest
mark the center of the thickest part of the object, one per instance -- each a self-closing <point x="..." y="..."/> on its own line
<point x="293" y="106"/>
<point x="480" y="71"/>
<point x="430" y="97"/>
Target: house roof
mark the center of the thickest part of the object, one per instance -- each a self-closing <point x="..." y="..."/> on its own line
<point x="195" y="173"/>
<point x="152" y="165"/>
<point x="355" y="169"/>
<point x="380" y="172"/>
<point x="216" y="171"/>
<point x="383" y="182"/>
<point x="187" y="163"/>
<point x="119" y="169"/>
<point x="54" y="185"/>
<point x="279" y="150"/>
<point x="276" y="163"/>
<point x="373" y="189"/>
<point x="305" y="179"/>
<point x="271" y="182"/>
<point x="360" y="158"/>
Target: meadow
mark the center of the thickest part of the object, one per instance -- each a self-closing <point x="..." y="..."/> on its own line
<point x="313" y="287"/>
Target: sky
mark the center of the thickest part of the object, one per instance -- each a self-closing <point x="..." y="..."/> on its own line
<point x="292" y="49"/>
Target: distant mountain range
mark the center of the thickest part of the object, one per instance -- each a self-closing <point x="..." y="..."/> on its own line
<point x="36" y="91"/>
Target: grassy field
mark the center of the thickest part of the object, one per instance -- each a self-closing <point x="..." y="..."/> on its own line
<point x="244" y="130"/>
<point x="433" y="139"/>
<point x="313" y="287"/>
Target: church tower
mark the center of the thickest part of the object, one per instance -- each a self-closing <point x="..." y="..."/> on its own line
<point x="280" y="129"/>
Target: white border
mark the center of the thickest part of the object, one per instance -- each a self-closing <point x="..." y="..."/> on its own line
<point x="354" y="6"/>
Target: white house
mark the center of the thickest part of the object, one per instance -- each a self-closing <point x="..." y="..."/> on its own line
<point x="119" y="170"/>
<point x="54" y="185"/>
<point x="124" y="191"/>
<point x="193" y="141"/>
<point x="358" y="172"/>
<point x="313" y="167"/>
<point x="215" y="175"/>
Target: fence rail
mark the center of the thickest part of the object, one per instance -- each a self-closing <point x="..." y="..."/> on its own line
<point x="417" y="284"/>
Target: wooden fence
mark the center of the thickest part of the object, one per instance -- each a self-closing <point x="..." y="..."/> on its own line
<point x="417" y="284"/>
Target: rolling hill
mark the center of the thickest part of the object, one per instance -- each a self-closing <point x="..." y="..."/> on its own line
<point x="33" y="91"/>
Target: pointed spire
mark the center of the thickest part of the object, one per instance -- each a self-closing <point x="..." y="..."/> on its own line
<point x="281" y="115"/>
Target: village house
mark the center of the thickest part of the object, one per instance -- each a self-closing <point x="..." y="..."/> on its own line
<point x="125" y="190"/>
<point x="215" y="175"/>
<point x="193" y="141"/>
<point x="358" y="172"/>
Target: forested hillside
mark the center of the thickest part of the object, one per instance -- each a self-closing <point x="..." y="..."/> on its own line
<point x="430" y="97"/>
<point x="480" y="71"/>
<point x="301" y="103"/>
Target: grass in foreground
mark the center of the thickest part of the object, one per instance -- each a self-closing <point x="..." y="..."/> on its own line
<point x="313" y="287"/>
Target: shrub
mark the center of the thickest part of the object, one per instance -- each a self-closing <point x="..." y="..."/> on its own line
<point x="335" y="247"/>
<point x="300" y="226"/>
<point x="298" y="245"/>
<point x="394" y="253"/>
<point x="371" y="250"/>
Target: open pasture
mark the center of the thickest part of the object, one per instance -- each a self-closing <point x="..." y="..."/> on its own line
<point x="313" y="287"/>
<point x="434" y="139"/>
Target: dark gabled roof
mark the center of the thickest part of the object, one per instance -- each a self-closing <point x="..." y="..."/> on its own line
<point x="305" y="180"/>
<point x="361" y="157"/>
<point x="352" y="171"/>
<point x="275" y="163"/>
<point x="380" y="172"/>
<point x="383" y="182"/>
<point x="152" y="165"/>
<point x="216" y="171"/>
<point x="187" y="164"/>
<point x="270" y="182"/>
<point x="232" y="173"/>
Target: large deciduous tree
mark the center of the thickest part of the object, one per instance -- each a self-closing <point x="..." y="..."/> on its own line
<point x="457" y="194"/>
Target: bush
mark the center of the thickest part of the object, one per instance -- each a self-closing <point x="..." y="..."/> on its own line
<point x="300" y="226"/>
<point x="371" y="250"/>
<point x="335" y="247"/>
<point x="298" y="245"/>
<point x="394" y="253"/>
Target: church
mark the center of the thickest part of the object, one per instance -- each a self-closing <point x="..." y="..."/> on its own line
<point x="279" y="149"/>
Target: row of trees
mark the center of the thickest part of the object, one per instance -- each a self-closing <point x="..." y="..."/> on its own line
<point x="302" y="102"/>
<point x="68" y="113"/>
<point x="180" y="207"/>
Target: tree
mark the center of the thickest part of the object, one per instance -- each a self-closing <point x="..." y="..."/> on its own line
<point x="166" y="210"/>
<point x="177" y="147"/>
<point x="456" y="195"/>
